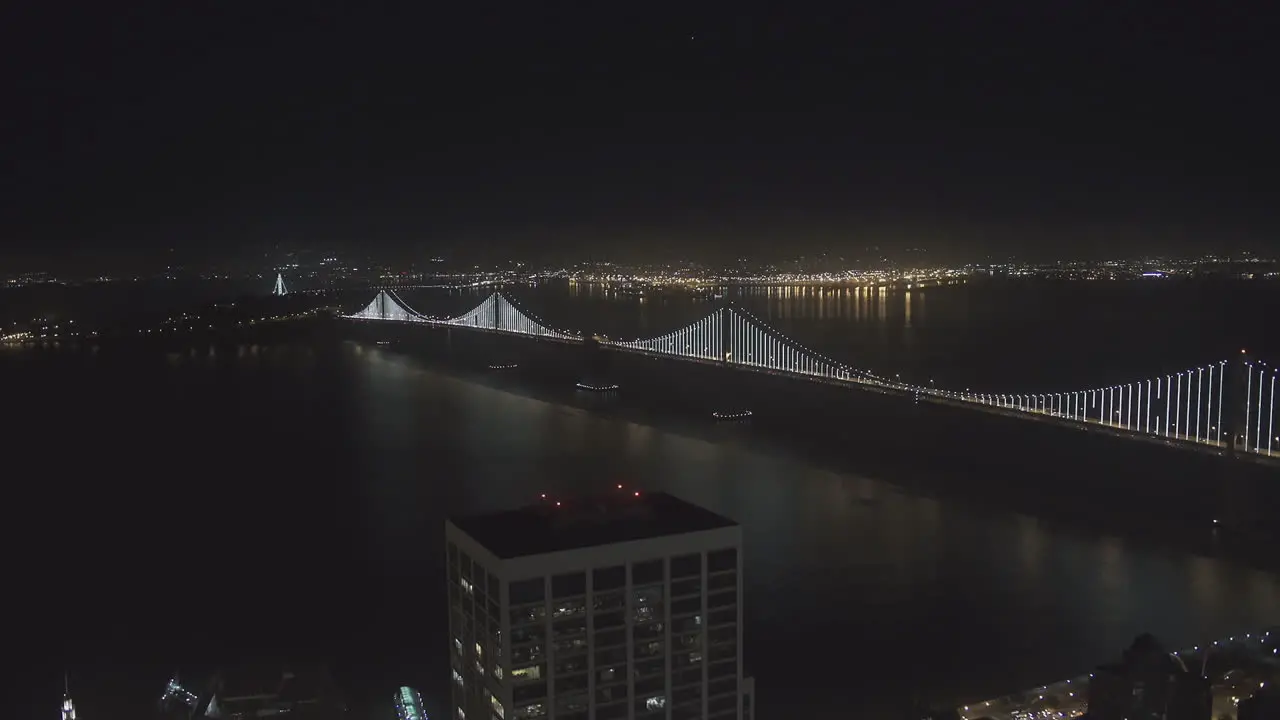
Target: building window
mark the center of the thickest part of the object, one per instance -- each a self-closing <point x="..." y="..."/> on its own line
<point x="523" y="654"/>
<point x="643" y="573"/>
<point x="528" y="615"/>
<point x="613" y="578"/>
<point x="569" y="585"/>
<point x="655" y="702"/>
<point x="569" y="608"/>
<point x="498" y="710"/>
<point x="457" y="678"/>
<point x="690" y="623"/>
<point x="467" y="587"/>
<point x="726" y="559"/>
<point x="723" y="581"/>
<point x="688" y="586"/>
<point x="525" y="592"/>
<point x="686" y="566"/>
<point x="533" y="710"/>
<point x="604" y="602"/>
<point x="532" y="672"/>
<point x="646" y="603"/>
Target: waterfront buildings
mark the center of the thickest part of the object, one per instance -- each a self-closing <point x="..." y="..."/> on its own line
<point x="1149" y="682"/>
<point x="621" y="606"/>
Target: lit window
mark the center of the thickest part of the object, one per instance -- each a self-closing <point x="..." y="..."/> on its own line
<point x="457" y="646"/>
<point x="497" y="707"/>
<point x="462" y="714"/>
<point x="533" y="672"/>
<point x="479" y="651"/>
<point x="657" y="702"/>
<point x="457" y="678"/>
<point x="497" y="671"/>
<point x="467" y="588"/>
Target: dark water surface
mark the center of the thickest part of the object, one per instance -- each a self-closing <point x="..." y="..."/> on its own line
<point x="175" y="509"/>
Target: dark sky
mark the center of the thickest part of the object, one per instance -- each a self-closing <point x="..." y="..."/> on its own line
<point x="641" y="129"/>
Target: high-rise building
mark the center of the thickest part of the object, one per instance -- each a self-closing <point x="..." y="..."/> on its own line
<point x="622" y="606"/>
<point x="1149" y="683"/>
<point x="409" y="705"/>
<point x="68" y="707"/>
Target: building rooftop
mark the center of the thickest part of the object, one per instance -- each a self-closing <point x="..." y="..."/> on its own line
<point x="557" y="524"/>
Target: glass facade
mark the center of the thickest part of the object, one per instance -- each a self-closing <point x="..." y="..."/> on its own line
<point x="649" y="639"/>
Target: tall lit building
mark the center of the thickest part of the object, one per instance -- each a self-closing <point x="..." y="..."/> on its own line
<point x="624" y="606"/>
<point x="68" y="707"/>
<point x="409" y="705"/>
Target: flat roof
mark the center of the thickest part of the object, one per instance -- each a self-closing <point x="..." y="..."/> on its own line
<point x="576" y="523"/>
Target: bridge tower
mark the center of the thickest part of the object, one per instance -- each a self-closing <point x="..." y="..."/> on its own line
<point x="1236" y="401"/>
<point x="280" y="288"/>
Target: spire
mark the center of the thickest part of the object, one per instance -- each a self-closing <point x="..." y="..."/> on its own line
<point x="68" y="707"/>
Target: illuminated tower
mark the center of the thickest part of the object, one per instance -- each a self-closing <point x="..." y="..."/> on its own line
<point x="409" y="705"/>
<point x="68" y="707"/>
<point x="280" y="289"/>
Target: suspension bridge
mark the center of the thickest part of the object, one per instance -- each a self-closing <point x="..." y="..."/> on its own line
<point x="1228" y="405"/>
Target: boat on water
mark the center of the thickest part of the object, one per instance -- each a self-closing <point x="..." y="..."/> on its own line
<point x="731" y="416"/>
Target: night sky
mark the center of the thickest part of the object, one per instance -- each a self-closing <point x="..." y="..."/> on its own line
<point x="637" y="130"/>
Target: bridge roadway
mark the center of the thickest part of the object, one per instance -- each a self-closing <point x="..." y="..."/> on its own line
<point x="1095" y="426"/>
<point x="786" y="358"/>
<point x="1111" y="429"/>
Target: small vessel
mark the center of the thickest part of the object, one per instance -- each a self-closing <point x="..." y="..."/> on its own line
<point x="384" y="342"/>
<point x="731" y="416"/>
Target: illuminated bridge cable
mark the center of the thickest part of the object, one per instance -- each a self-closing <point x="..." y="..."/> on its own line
<point x="385" y="307"/>
<point x="702" y="339"/>
<point x="1183" y="406"/>
<point x="414" y="315"/>
<point x="514" y="320"/>
<point x="754" y="343"/>
<point x="1260" y="409"/>
<point x="482" y="316"/>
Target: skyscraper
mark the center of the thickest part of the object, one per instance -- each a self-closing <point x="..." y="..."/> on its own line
<point x="622" y="606"/>
<point x="409" y="705"/>
<point x="68" y="707"/>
